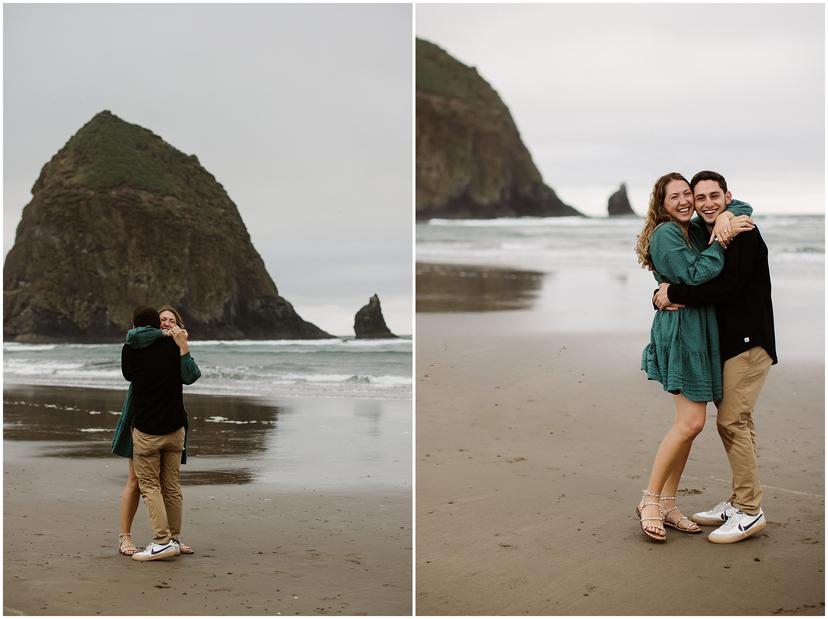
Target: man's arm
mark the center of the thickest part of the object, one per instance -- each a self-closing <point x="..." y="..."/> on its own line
<point x="739" y="265"/>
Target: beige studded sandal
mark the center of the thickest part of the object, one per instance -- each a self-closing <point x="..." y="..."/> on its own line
<point x="656" y="533"/>
<point x="184" y="548"/>
<point x="125" y="544"/>
<point x="689" y="527"/>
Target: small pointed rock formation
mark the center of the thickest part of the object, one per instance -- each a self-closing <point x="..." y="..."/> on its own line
<point x="119" y="218"/>
<point x="471" y="161"/>
<point x="369" y="323"/>
<point x="619" y="203"/>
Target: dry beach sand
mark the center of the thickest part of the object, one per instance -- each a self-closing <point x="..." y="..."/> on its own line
<point x="533" y="447"/>
<point x="262" y="548"/>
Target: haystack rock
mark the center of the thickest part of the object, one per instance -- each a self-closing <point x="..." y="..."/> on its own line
<point x="619" y="203"/>
<point x="119" y="218"/>
<point x="369" y="323"/>
<point x="471" y="161"/>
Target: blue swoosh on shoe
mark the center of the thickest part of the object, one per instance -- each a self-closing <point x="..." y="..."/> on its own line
<point x="741" y="528"/>
<point x="153" y="552"/>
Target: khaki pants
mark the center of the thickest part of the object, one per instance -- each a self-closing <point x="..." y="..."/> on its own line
<point x="743" y="378"/>
<point x="157" y="461"/>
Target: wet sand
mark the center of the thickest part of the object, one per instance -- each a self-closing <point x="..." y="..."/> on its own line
<point x="463" y="288"/>
<point x="272" y="535"/>
<point x="532" y="449"/>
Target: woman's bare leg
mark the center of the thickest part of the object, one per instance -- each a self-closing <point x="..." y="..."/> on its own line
<point x="674" y="450"/>
<point x="130" y="498"/>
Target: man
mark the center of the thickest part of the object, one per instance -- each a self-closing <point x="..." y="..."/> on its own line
<point x="742" y="296"/>
<point x="158" y="430"/>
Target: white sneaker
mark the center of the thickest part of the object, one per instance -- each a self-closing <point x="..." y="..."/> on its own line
<point x="156" y="551"/>
<point x="176" y="546"/>
<point x="738" y="527"/>
<point x="716" y="516"/>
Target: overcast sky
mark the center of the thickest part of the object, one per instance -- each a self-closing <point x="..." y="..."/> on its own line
<point x="609" y="93"/>
<point x="302" y="112"/>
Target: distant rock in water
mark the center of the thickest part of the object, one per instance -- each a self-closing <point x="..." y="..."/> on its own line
<point x="119" y="218"/>
<point x="369" y="323"/>
<point x="619" y="203"/>
<point x="471" y="162"/>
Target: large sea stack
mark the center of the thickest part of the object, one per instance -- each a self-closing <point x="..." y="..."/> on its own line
<point x="471" y="162"/>
<point x="619" y="203"/>
<point x="120" y="218"/>
<point x="369" y="322"/>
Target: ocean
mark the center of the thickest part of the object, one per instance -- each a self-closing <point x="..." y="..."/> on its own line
<point x="303" y="413"/>
<point x="549" y="243"/>
<point x="332" y="368"/>
<point x="579" y="274"/>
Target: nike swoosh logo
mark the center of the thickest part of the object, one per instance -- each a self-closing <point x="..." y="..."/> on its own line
<point x="723" y="516"/>
<point x="155" y="552"/>
<point x="741" y="528"/>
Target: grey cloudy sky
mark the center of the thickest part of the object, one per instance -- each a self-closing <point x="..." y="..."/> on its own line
<point x="302" y="112"/>
<point x="605" y="93"/>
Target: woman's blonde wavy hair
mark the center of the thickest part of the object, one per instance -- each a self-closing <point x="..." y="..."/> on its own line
<point x="656" y="214"/>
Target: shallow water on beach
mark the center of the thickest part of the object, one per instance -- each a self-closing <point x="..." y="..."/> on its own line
<point x="309" y="443"/>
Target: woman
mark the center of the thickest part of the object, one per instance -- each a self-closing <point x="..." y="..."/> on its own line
<point x="122" y="441"/>
<point x="683" y="353"/>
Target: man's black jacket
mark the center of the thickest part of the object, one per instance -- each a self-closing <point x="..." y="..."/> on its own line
<point x="742" y="296"/>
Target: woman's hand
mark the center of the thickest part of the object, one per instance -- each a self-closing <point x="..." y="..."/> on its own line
<point x="662" y="301"/>
<point x="727" y="226"/>
<point x="180" y="336"/>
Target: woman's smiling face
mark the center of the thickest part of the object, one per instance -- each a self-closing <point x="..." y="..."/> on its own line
<point x="168" y="320"/>
<point x="678" y="201"/>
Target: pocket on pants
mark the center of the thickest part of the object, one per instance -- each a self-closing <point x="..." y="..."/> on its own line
<point x="178" y="439"/>
<point x="143" y="444"/>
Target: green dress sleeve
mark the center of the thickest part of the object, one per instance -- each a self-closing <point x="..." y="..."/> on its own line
<point x="698" y="229"/>
<point x="190" y="371"/>
<point x="677" y="263"/>
<point x="737" y="207"/>
<point x="141" y="337"/>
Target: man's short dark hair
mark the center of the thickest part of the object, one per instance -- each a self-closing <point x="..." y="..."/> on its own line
<point x="707" y="175"/>
<point x="146" y="316"/>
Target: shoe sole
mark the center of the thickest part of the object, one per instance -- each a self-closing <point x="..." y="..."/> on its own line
<point x="161" y="555"/>
<point x="744" y="535"/>
<point x="707" y="522"/>
<point x="677" y="528"/>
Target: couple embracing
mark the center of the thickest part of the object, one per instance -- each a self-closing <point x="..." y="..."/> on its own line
<point x="152" y="429"/>
<point x="711" y="340"/>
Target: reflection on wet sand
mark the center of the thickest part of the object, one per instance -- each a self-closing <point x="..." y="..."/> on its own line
<point x="79" y="423"/>
<point x="462" y="288"/>
<point x="310" y="442"/>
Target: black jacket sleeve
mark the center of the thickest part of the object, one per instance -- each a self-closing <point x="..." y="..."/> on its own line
<point x="739" y="264"/>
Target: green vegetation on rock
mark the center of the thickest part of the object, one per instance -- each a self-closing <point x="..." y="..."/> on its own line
<point x="119" y="218"/>
<point x="471" y="161"/>
<point x="108" y="152"/>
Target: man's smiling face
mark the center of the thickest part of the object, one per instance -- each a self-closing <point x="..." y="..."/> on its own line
<point x="710" y="200"/>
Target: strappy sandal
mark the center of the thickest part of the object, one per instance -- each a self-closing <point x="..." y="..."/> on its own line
<point x="691" y="527"/>
<point x="184" y="548"/>
<point x="660" y="534"/>
<point x="125" y="544"/>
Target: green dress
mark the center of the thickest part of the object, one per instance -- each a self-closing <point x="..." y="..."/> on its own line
<point x="683" y="353"/>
